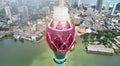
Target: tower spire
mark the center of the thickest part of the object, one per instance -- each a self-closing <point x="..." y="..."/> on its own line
<point x="61" y="3"/>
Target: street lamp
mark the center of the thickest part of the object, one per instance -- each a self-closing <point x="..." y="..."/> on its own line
<point x="60" y="33"/>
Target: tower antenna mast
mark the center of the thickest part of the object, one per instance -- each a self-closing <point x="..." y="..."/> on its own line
<point x="61" y="3"/>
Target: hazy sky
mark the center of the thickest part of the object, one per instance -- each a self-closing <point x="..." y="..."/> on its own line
<point x="94" y="1"/>
<point x="85" y="1"/>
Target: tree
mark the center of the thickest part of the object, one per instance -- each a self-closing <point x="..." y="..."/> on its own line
<point x="85" y="8"/>
<point x="118" y="21"/>
<point x="110" y="8"/>
<point x="85" y="36"/>
<point x="22" y="40"/>
<point x="92" y="35"/>
<point x="104" y="41"/>
<point x="38" y="38"/>
<point x="100" y="34"/>
<point x="109" y="35"/>
<point x="93" y="6"/>
<point x="15" y="39"/>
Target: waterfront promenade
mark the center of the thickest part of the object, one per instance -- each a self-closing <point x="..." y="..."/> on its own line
<point x="99" y="48"/>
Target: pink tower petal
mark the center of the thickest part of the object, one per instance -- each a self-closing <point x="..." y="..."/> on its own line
<point x="59" y="26"/>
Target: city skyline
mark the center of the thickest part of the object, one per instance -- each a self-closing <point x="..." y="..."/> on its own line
<point x="88" y="29"/>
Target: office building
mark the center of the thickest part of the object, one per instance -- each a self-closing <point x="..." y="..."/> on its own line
<point x="8" y="12"/>
<point x="116" y="9"/>
<point x="25" y="18"/>
<point x="79" y="3"/>
<point x="99" y="5"/>
<point x="107" y="6"/>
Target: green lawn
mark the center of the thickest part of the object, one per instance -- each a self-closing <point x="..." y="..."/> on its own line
<point x="118" y="39"/>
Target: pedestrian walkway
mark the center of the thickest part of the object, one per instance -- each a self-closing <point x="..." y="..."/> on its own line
<point x="99" y="48"/>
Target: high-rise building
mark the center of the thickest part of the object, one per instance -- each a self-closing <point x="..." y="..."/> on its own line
<point x="107" y="6"/>
<point x="116" y="9"/>
<point x="8" y="12"/>
<point x="79" y="3"/>
<point x="2" y="3"/>
<point x="113" y="10"/>
<point x="25" y="18"/>
<point x="99" y="5"/>
<point x="74" y="2"/>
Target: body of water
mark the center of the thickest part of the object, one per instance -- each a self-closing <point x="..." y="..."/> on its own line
<point x="28" y="54"/>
